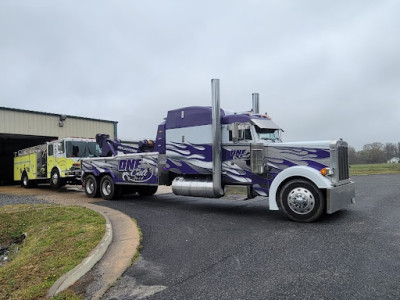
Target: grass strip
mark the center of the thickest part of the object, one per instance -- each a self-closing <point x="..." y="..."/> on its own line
<point x="374" y="169"/>
<point x="140" y="246"/>
<point x="57" y="239"/>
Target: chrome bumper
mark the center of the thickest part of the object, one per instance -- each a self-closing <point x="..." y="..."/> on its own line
<point x="73" y="173"/>
<point x="340" y="197"/>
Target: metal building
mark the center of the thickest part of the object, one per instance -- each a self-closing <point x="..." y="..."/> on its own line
<point x="20" y="129"/>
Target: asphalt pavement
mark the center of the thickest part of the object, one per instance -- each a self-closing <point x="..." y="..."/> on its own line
<point x="196" y="248"/>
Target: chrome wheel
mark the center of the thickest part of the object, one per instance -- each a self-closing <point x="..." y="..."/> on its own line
<point x="90" y="186"/>
<point x="55" y="178"/>
<point x="301" y="200"/>
<point x="106" y="188"/>
<point x="25" y="180"/>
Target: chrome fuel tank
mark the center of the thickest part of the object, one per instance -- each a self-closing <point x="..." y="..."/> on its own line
<point x="194" y="187"/>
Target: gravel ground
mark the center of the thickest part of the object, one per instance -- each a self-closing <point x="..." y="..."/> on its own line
<point x="68" y="195"/>
<point x="6" y="199"/>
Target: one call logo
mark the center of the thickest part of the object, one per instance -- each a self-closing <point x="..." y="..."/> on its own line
<point x="134" y="171"/>
<point x="239" y="154"/>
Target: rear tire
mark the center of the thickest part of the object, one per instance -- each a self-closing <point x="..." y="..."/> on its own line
<point x="91" y="186"/>
<point x="108" y="190"/>
<point x="25" y="183"/>
<point x="302" y="201"/>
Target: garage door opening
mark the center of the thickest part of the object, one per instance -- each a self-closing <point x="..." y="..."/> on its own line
<point x="11" y="143"/>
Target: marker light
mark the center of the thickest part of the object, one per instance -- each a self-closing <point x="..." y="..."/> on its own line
<point x="326" y="171"/>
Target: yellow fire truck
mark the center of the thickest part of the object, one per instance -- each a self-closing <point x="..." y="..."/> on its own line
<point x="57" y="162"/>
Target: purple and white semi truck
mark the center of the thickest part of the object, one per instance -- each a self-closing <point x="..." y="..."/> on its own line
<point x="199" y="151"/>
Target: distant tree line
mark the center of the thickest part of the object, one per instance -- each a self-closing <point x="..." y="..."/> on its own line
<point x="374" y="153"/>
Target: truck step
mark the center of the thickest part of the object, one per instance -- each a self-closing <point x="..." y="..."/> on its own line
<point x="237" y="192"/>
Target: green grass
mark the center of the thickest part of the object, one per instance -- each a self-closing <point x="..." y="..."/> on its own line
<point x="139" y="247"/>
<point x="57" y="239"/>
<point x="371" y="169"/>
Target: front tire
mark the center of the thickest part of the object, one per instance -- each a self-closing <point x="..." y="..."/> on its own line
<point x="108" y="190"/>
<point x="91" y="186"/>
<point x="55" y="179"/>
<point x="302" y="201"/>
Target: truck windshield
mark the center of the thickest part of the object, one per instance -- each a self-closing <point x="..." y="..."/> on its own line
<point x="82" y="149"/>
<point x="268" y="134"/>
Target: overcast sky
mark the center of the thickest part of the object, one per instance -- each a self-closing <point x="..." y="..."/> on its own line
<point x="324" y="69"/>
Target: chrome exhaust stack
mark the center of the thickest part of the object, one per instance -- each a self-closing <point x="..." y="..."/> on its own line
<point x="256" y="103"/>
<point x="207" y="186"/>
<point x="217" y="139"/>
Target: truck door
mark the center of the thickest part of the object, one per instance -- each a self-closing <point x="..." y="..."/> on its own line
<point x="236" y="141"/>
<point x="60" y="158"/>
<point x="50" y="158"/>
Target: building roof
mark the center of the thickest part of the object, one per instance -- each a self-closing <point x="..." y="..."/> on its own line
<point x="53" y="114"/>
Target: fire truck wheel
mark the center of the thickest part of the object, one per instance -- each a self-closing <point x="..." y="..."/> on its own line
<point x="55" y="179"/>
<point x="25" y="183"/>
<point x="91" y="187"/>
<point x="147" y="190"/>
<point x="108" y="189"/>
<point x="302" y="201"/>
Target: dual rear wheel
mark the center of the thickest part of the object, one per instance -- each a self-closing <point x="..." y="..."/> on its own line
<point x="106" y="187"/>
<point x="109" y="191"/>
<point x="91" y="187"/>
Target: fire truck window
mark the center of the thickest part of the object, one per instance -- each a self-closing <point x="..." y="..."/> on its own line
<point x="61" y="147"/>
<point x="75" y="151"/>
<point x="50" y="150"/>
<point x="82" y="149"/>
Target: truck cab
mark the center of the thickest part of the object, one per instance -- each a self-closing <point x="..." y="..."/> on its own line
<point x="204" y="149"/>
